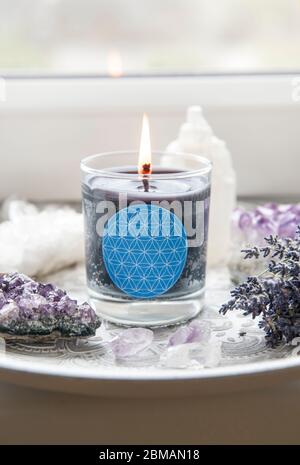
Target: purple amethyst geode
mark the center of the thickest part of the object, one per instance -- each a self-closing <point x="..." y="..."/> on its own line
<point x="32" y="309"/>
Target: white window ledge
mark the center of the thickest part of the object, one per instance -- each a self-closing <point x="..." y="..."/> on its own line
<point x="48" y="125"/>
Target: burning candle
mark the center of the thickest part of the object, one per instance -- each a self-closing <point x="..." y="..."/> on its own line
<point x="145" y="234"/>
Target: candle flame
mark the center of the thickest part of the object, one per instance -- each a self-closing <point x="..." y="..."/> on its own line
<point x="145" y="148"/>
<point x="114" y="64"/>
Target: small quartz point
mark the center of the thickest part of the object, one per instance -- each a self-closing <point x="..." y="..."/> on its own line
<point x="29" y="309"/>
<point x="131" y="341"/>
<point x="212" y="355"/>
<point x="179" y="357"/>
<point x="196" y="331"/>
<point x="190" y="347"/>
<point x="193" y="355"/>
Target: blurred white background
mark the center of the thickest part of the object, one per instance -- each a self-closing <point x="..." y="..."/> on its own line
<point x="149" y="36"/>
<point x="78" y="75"/>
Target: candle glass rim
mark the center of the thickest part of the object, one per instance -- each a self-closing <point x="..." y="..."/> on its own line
<point x="105" y="172"/>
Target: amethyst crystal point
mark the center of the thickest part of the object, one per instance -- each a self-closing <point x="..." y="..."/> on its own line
<point x="196" y="331"/>
<point x="131" y="341"/>
<point x="31" y="309"/>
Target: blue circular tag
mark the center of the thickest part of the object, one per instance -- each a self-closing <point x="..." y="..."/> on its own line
<point x="144" y="250"/>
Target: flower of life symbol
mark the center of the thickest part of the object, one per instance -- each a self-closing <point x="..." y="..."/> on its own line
<point x="144" y="250"/>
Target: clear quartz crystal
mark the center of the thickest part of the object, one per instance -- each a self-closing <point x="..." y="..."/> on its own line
<point x="131" y="341"/>
<point x="36" y="242"/>
<point x="191" y="346"/>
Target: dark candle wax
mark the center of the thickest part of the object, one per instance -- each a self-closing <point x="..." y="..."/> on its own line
<point x="187" y="190"/>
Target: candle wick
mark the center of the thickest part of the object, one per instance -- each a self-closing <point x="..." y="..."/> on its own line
<point x="146" y="184"/>
<point x="146" y="169"/>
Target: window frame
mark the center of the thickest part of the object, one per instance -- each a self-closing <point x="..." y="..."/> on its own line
<point x="98" y="93"/>
<point x="48" y="124"/>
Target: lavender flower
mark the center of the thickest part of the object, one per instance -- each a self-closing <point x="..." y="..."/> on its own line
<point x="274" y="295"/>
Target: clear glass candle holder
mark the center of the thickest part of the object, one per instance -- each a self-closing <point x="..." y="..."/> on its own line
<point x="146" y="236"/>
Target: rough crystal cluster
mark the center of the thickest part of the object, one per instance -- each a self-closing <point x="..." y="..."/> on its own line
<point x="32" y="309"/>
<point x="252" y="226"/>
<point x="39" y="241"/>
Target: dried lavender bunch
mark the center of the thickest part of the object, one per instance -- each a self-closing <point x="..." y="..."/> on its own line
<point x="274" y="295"/>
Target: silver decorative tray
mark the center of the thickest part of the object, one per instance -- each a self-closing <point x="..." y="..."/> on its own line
<point x="90" y="367"/>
